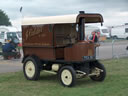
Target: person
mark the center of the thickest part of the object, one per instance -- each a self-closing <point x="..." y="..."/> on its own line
<point x="94" y="38"/>
<point x="98" y="35"/>
<point x="9" y="49"/>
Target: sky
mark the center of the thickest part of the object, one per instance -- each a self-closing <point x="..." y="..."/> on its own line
<point x="114" y="12"/>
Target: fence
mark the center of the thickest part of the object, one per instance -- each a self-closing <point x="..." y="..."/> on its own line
<point x="113" y="49"/>
<point x="109" y="50"/>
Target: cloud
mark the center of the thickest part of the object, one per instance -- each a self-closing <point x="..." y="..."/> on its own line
<point x="17" y="23"/>
<point x="113" y="11"/>
<point x="56" y="7"/>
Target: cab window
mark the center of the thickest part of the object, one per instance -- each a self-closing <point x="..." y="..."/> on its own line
<point x="104" y="30"/>
<point x="2" y="35"/>
<point x="126" y="30"/>
<point x="11" y="35"/>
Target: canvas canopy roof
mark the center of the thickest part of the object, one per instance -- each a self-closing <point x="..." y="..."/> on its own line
<point x="63" y="19"/>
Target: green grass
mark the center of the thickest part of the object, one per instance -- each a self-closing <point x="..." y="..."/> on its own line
<point x="115" y="84"/>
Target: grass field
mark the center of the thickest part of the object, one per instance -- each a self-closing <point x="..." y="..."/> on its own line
<point x="115" y="84"/>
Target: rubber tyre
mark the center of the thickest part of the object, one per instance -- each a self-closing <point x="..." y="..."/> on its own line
<point x="18" y="56"/>
<point x="115" y="37"/>
<point x="67" y="76"/>
<point x="0" y="44"/>
<point x="31" y="68"/>
<point x="102" y="75"/>
<point x="127" y="38"/>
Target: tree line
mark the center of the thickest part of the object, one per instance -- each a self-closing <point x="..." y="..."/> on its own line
<point x="4" y="19"/>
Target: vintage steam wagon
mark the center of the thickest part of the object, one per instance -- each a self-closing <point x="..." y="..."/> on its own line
<point x="57" y="43"/>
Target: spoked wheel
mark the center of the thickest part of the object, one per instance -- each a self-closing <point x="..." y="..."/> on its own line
<point x="98" y="71"/>
<point x="31" y="68"/>
<point x="67" y="76"/>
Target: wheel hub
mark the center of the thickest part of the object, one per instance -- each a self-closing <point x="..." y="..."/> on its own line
<point x="30" y="69"/>
<point x="96" y="71"/>
<point x="66" y="77"/>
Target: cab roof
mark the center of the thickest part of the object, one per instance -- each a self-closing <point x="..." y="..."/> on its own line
<point x="63" y="19"/>
<point x="8" y="29"/>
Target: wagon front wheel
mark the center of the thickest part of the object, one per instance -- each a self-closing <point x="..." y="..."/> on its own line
<point x="99" y="71"/>
<point x="67" y="76"/>
<point x="31" y="68"/>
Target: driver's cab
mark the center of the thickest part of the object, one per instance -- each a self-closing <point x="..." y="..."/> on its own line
<point x="7" y="34"/>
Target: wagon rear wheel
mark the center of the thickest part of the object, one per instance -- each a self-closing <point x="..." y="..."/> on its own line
<point x="67" y="76"/>
<point x="99" y="71"/>
<point x="31" y="68"/>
